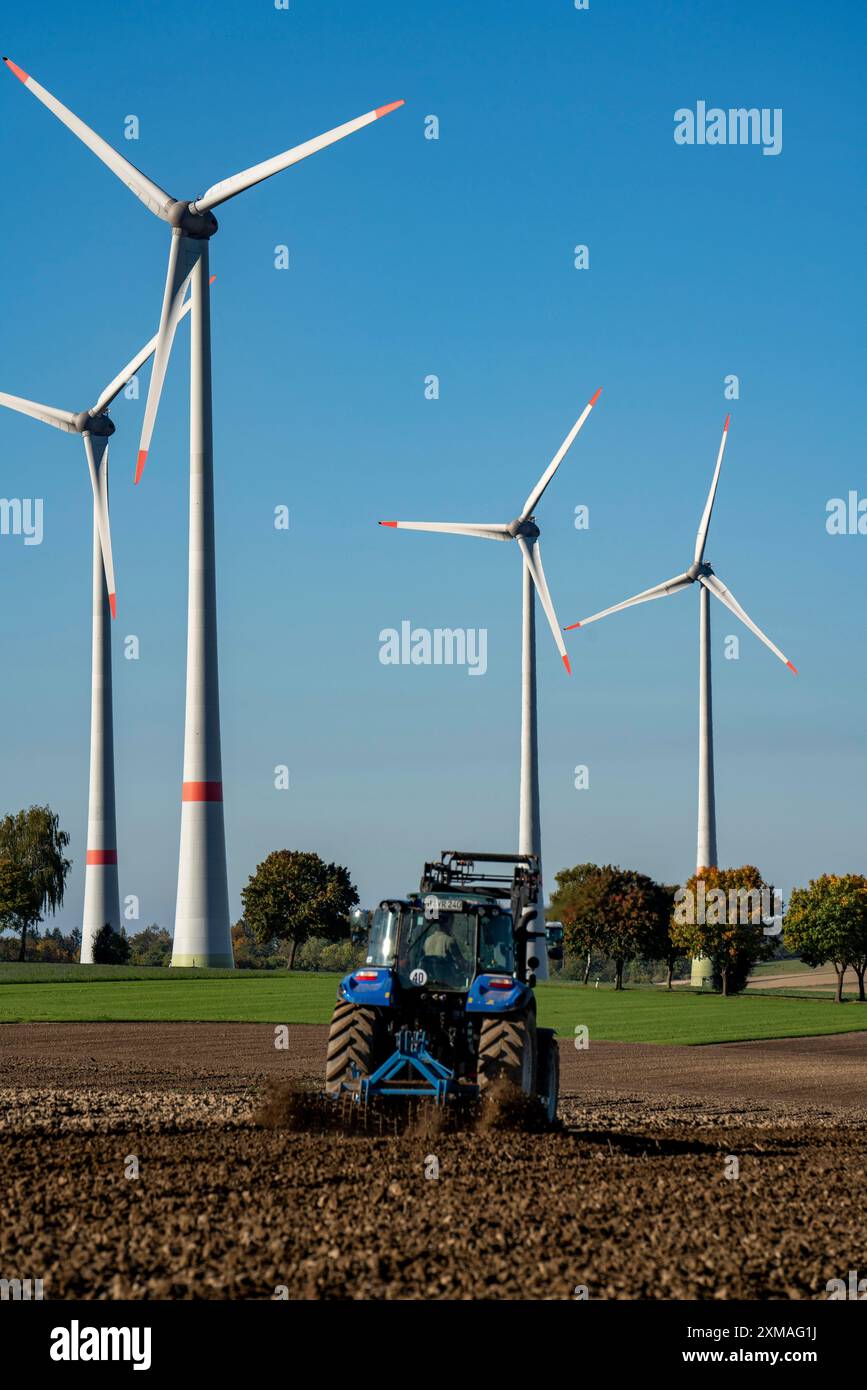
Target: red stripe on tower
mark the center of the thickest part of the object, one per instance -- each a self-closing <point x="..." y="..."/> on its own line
<point x="203" y="791"/>
<point x="102" y="856"/>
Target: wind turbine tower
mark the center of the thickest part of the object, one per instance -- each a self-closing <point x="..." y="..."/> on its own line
<point x="525" y="530"/>
<point x="700" y="572"/>
<point x="95" y="426"/>
<point x="202" y="925"/>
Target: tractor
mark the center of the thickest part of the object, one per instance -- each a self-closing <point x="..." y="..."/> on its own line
<point x="444" y="1005"/>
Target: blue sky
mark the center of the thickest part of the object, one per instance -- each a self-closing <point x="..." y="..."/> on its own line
<point x="411" y="257"/>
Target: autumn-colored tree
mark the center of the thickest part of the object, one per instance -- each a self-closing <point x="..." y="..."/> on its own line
<point x="250" y="954"/>
<point x="718" y="913"/>
<point x="828" y="922"/>
<point x="55" y="948"/>
<point x="33" y="878"/>
<point x="294" y="895"/>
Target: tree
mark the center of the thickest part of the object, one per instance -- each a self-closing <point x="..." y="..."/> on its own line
<point x="657" y="943"/>
<point x="294" y="895"/>
<point x="719" y="913"/>
<point x="248" y="954"/>
<point x="609" y="909"/>
<point x="31" y="846"/>
<point x="570" y="904"/>
<point x="55" y="948"/>
<point x="828" y="922"/>
<point x="20" y="903"/>
<point x="151" y="946"/>
<point x="110" y="947"/>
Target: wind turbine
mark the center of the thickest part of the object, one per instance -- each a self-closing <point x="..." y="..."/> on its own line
<point x="202" y="927"/>
<point x="95" y="426"/>
<point x="525" y="531"/>
<point x="709" y="583"/>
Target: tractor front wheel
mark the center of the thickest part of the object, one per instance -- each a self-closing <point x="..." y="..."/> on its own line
<point x="350" y="1046"/>
<point x="507" y="1051"/>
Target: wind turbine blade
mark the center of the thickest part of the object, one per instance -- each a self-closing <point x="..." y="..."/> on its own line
<point x="60" y="419"/>
<point x="183" y="255"/>
<point x="488" y="531"/>
<point x="535" y="495"/>
<point x="671" y="586"/>
<point x="533" y="560"/>
<point x="708" y="506"/>
<point x="96" y="448"/>
<point x="237" y="183"/>
<point x="150" y="193"/>
<point x="716" y="587"/>
<point x="116" y="385"/>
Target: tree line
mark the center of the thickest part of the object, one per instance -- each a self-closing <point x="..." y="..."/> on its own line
<point x="296" y="914"/>
<point x="724" y="914"/>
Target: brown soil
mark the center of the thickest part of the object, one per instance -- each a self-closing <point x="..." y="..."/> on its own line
<point x="243" y="1189"/>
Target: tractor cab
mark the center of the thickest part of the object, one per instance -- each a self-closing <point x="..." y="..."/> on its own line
<point x="441" y="943"/>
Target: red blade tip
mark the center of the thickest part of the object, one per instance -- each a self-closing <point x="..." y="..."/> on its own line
<point x="140" y="463"/>
<point x="596" y="397"/>
<point x="566" y="663"/>
<point x="388" y="523"/>
<point x="384" y="110"/>
<point x="726" y="425"/>
<point x="19" y="72"/>
<point x="571" y="627"/>
<point x="112" y="601"/>
<point x="791" y="667"/>
<point x="212" y="279"/>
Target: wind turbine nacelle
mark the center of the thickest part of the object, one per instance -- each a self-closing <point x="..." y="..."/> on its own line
<point x="94" y="424"/>
<point x="528" y="529"/>
<point x="192" y="223"/>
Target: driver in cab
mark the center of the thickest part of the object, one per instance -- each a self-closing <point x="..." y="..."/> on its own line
<point x="443" y="957"/>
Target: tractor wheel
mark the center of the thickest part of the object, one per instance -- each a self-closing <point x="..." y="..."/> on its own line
<point x="350" y="1045"/>
<point x="548" y="1073"/>
<point x="507" y="1051"/>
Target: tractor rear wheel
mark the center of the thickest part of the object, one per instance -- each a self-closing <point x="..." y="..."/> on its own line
<point x="548" y="1073"/>
<point x="350" y="1046"/>
<point x="507" y="1051"/>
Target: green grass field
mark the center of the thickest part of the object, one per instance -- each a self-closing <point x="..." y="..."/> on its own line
<point x="781" y="967"/>
<point x="85" y="994"/>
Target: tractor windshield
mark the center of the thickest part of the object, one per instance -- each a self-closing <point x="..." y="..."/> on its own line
<point x="382" y="942"/>
<point x="439" y="952"/>
<point x="446" y="951"/>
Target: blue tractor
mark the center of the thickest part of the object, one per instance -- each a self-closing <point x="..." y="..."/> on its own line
<point x="444" y="1005"/>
